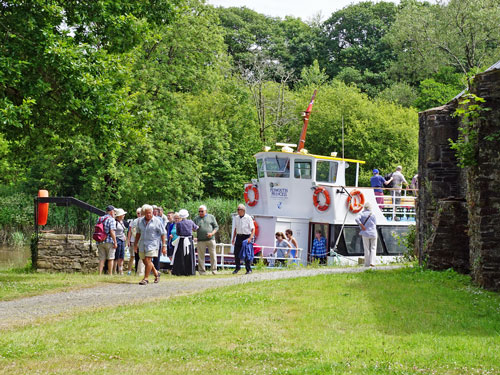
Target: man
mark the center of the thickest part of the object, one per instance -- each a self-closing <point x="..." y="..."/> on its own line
<point x="206" y="239"/>
<point x="150" y="230"/>
<point x="318" y="250"/>
<point x="368" y="224"/>
<point x="398" y="180"/>
<point x="156" y="259"/>
<point x="106" y="249"/>
<point x="377" y="181"/>
<point x="134" y="257"/>
<point x="244" y="229"/>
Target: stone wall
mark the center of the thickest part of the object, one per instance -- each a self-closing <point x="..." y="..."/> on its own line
<point x="442" y="192"/>
<point x="458" y="211"/>
<point x="484" y="186"/>
<point x="66" y="253"/>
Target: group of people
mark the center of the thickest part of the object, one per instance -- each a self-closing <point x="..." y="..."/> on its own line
<point x="153" y="234"/>
<point x="394" y="180"/>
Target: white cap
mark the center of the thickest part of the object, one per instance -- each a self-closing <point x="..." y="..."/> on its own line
<point x="183" y="214"/>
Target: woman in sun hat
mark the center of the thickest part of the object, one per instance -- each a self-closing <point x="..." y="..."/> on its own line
<point x="120" y="240"/>
<point x="183" y="259"/>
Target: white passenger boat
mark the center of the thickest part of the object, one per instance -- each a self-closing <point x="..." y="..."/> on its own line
<point x="305" y="193"/>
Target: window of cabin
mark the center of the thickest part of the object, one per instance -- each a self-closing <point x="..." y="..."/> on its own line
<point x="326" y="171"/>
<point x="302" y="169"/>
<point x="278" y="167"/>
<point x="260" y="168"/>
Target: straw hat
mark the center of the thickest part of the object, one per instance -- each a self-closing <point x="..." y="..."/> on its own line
<point x="183" y="214"/>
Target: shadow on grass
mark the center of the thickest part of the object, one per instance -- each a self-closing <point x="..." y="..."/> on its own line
<point x="413" y="300"/>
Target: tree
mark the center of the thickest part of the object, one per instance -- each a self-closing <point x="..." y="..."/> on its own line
<point x="353" y="37"/>
<point x="463" y="34"/>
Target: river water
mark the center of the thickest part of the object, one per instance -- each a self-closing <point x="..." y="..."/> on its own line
<point x="11" y="256"/>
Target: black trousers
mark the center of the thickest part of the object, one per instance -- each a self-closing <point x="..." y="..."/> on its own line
<point x="237" y="248"/>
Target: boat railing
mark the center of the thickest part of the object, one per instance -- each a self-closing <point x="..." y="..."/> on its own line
<point x="396" y="204"/>
<point x="225" y="257"/>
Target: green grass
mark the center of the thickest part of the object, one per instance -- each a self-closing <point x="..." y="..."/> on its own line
<point x="21" y="282"/>
<point x="397" y="322"/>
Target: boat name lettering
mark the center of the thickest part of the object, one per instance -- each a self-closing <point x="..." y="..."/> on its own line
<point x="279" y="192"/>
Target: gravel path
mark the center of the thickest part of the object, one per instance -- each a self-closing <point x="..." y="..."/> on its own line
<point x="32" y="309"/>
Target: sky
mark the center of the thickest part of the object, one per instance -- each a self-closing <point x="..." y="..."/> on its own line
<point x="305" y="9"/>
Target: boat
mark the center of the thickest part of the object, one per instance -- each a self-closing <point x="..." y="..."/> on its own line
<point x="306" y="193"/>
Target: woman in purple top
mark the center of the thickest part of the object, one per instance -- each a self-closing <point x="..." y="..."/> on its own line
<point x="183" y="259"/>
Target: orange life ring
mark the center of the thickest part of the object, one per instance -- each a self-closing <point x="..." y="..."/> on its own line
<point x="43" y="208"/>
<point x="356" y="201"/>
<point x="256" y="229"/>
<point x="253" y="202"/>
<point x="321" y="190"/>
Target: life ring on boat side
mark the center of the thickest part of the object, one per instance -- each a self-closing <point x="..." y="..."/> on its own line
<point x="356" y="201"/>
<point x="256" y="230"/>
<point x="321" y="190"/>
<point x="253" y="202"/>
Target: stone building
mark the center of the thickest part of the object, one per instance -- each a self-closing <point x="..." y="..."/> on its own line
<point x="459" y="209"/>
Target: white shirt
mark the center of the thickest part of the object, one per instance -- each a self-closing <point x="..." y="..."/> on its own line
<point x="244" y="225"/>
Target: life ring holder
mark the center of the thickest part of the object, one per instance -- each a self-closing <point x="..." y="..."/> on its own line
<point x="255" y="200"/>
<point x="321" y="190"/>
<point x="356" y="201"/>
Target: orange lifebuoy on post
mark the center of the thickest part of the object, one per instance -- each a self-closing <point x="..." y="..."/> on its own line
<point x="43" y="208"/>
<point x="255" y="199"/>
<point x="321" y="190"/>
<point x="256" y="229"/>
<point x="356" y="201"/>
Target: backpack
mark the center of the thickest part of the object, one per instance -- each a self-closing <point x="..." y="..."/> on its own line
<point x="100" y="234"/>
<point x="387" y="177"/>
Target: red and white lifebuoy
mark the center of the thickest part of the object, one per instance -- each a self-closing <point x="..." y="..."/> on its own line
<point x="255" y="199"/>
<point x="356" y="201"/>
<point x="321" y="190"/>
<point x="256" y="229"/>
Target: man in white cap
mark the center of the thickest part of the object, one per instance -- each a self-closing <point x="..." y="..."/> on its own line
<point x="244" y="229"/>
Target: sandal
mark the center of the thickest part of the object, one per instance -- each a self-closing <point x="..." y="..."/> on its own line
<point x="144" y="282"/>
<point x="157" y="278"/>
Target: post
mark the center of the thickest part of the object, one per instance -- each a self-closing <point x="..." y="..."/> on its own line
<point x="306" y="115"/>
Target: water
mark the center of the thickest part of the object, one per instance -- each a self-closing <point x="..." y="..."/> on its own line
<point x="11" y="256"/>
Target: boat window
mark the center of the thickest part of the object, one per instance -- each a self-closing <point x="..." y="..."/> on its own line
<point x="278" y="167"/>
<point x="352" y="242"/>
<point x="302" y="169"/>
<point x="326" y="171"/>
<point x="391" y="237"/>
<point x="260" y="168"/>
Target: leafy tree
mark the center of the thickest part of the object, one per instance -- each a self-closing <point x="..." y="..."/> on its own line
<point x="463" y="34"/>
<point x="312" y="75"/>
<point x="399" y="93"/>
<point x="353" y="37"/>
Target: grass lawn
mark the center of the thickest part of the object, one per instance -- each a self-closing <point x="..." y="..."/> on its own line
<point x="16" y="283"/>
<point x="396" y="322"/>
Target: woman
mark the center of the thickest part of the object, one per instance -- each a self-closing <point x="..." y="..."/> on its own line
<point x="294" y="252"/>
<point x="184" y="257"/>
<point x="120" y="241"/>
<point x="367" y="223"/>
<point x="279" y="248"/>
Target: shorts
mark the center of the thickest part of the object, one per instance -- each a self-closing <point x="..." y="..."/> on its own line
<point x="106" y="251"/>
<point x="120" y="249"/>
<point x="148" y="254"/>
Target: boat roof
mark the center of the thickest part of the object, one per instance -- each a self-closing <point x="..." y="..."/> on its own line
<point x="262" y="153"/>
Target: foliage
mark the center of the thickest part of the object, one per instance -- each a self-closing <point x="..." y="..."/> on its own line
<point x="469" y="110"/>
<point x="462" y="34"/>
<point x="399" y="93"/>
<point x="406" y="321"/>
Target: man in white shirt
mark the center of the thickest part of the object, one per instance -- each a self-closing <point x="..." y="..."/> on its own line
<point x="244" y="229"/>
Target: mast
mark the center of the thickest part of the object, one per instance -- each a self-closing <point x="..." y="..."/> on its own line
<point x="305" y="116"/>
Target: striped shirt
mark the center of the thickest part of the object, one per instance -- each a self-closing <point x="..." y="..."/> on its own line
<point x="319" y="248"/>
